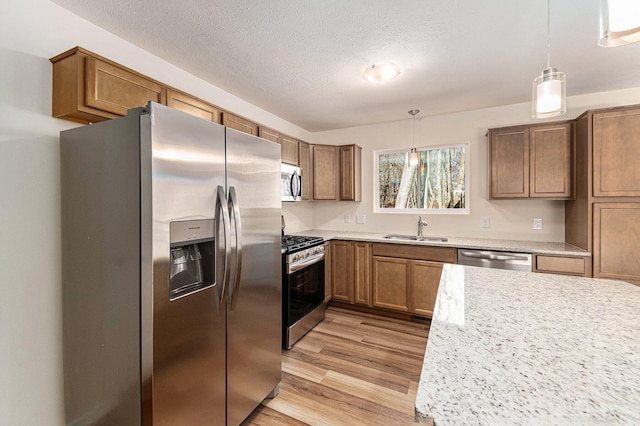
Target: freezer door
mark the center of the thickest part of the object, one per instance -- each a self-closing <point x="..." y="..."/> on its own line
<point x="183" y="165"/>
<point x="254" y="318"/>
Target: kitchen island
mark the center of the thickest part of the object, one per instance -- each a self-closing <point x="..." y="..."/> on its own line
<point x="517" y="348"/>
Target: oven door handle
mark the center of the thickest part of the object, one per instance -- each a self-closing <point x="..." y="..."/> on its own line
<point x="294" y="267"/>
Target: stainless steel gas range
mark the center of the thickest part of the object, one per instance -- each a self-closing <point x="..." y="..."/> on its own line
<point x="302" y="286"/>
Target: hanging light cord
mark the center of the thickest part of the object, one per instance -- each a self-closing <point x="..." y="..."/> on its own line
<point x="548" y="33"/>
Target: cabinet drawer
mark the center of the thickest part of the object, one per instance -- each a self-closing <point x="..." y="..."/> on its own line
<point x="562" y="265"/>
<point x="437" y="254"/>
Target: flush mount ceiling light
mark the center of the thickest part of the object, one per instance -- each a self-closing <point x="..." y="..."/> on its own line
<point x="413" y="155"/>
<point x="549" y="88"/>
<point x="619" y="22"/>
<point x="381" y="73"/>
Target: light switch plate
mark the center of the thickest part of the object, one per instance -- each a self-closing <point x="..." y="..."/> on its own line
<point x="484" y="222"/>
<point x="347" y="218"/>
<point x="537" y="223"/>
<point x="361" y="218"/>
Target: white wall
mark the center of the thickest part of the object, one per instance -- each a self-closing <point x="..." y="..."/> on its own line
<point x="32" y="31"/>
<point x="510" y="219"/>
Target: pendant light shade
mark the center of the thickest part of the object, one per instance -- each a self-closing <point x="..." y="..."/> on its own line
<point x="549" y="88"/>
<point x="619" y="22"/>
<point x="549" y="94"/>
<point x="413" y="154"/>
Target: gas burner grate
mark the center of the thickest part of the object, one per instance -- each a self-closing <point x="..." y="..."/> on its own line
<point x="293" y="243"/>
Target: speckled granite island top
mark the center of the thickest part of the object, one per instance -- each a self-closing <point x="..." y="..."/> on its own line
<point x="518" y="348"/>
<point x="535" y="247"/>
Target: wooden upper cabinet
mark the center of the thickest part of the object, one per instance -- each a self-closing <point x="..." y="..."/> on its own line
<point x="509" y="163"/>
<point x="350" y="173"/>
<point x="304" y="161"/>
<point x="326" y="169"/>
<point x="289" y="150"/>
<point x="551" y="161"/>
<point x="269" y="134"/>
<point x="532" y="162"/>
<point x="616" y="149"/>
<point x="192" y="105"/>
<point x="89" y="88"/>
<point x="238" y="123"/>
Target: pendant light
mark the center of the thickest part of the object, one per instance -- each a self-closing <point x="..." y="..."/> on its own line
<point x="413" y="155"/>
<point x="549" y="88"/>
<point x="619" y="22"/>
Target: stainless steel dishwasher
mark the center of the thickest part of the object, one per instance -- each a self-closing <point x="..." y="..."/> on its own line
<point x="495" y="259"/>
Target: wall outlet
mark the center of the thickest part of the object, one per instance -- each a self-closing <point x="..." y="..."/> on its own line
<point x="347" y="218"/>
<point x="537" y="223"/>
<point x="361" y="218"/>
<point x="484" y="222"/>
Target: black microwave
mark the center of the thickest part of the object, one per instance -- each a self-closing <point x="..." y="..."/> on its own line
<point x="291" y="183"/>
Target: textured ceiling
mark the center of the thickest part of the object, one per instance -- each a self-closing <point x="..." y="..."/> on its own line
<point x="303" y="59"/>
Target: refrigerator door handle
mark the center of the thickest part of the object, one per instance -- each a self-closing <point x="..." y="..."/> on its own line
<point x="233" y="207"/>
<point x="222" y="212"/>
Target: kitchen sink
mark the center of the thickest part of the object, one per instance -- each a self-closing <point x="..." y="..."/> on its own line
<point x="415" y="238"/>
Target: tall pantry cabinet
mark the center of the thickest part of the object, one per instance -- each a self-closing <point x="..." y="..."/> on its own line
<point x="605" y="216"/>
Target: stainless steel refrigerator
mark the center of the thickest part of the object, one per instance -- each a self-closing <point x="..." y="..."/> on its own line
<point x="171" y="271"/>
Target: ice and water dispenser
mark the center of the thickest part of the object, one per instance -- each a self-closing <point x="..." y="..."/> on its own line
<point x="191" y="257"/>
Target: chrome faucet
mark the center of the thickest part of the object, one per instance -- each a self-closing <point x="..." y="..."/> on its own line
<point x="421" y="223"/>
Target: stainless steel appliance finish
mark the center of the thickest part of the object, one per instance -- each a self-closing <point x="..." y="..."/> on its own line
<point x="495" y="259"/>
<point x="303" y="286"/>
<point x="170" y="265"/>
<point x="290" y="183"/>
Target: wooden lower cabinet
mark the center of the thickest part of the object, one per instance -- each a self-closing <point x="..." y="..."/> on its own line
<point x="350" y="272"/>
<point x="342" y="271"/>
<point x="425" y="280"/>
<point x="362" y="273"/>
<point x="563" y="265"/>
<point x="616" y="241"/>
<point x="390" y="284"/>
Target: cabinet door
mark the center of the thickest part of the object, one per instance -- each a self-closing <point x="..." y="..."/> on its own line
<point x="342" y="271"/>
<point x="350" y="173"/>
<point x="551" y="154"/>
<point x="304" y="161"/>
<point x="192" y="105"/>
<point x="509" y="163"/>
<point x="238" y="123"/>
<point x="425" y="280"/>
<point x="616" y="241"/>
<point x="616" y="149"/>
<point x="362" y="273"/>
<point x="328" y="263"/>
<point x="269" y="134"/>
<point x="325" y="172"/>
<point x="390" y="286"/>
<point x="113" y="89"/>
<point x="289" y="150"/>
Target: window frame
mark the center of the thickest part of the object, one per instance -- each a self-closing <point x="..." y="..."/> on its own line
<point x="376" y="183"/>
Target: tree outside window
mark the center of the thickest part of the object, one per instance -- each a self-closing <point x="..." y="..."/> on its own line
<point x="437" y="183"/>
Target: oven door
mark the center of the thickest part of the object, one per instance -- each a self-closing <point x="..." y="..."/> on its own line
<point x="290" y="183"/>
<point x="303" y="294"/>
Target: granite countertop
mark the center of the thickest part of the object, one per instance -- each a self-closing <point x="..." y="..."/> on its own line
<point x="517" y="348"/>
<point x="534" y="247"/>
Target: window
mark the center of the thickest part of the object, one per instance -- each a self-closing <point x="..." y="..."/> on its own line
<point x="436" y="184"/>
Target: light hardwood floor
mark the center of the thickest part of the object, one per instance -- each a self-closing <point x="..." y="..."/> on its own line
<point x="351" y="369"/>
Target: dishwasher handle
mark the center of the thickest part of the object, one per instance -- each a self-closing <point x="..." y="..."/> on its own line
<point x="493" y="256"/>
